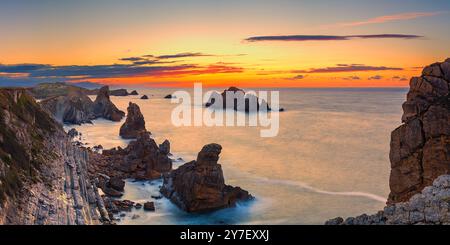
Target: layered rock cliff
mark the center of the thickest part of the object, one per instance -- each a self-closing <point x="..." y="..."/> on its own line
<point x="43" y="177"/>
<point x="420" y="148"/>
<point x="199" y="186"/>
<point x="76" y="107"/>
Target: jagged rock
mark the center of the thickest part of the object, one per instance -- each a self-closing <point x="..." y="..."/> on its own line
<point x="73" y="133"/>
<point x="118" y="92"/>
<point x="144" y="97"/>
<point x="149" y="206"/>
<point x="73" y="108"/>
<point x="116" y="183"/>
<point x="242" y="101"/>
<point x="134" y="92"/>
<point x="431" y="206"/>
<point x="46" y="181"/>
<point x="199" y="186"/>
<point x="420" y="148"/>
<point x="134" y="124"/>
<point x="141" y="159"/>
<point x="164" y="148"/>
<point x="103" y="107"/>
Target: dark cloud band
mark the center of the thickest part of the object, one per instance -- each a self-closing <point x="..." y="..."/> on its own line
<point x="303" y="38"/>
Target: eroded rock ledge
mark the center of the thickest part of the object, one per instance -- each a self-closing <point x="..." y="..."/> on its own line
<point x="431" y="206"/>
<point x="199" y="186"/>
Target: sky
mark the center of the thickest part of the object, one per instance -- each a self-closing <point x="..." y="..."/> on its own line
<point x="246" y="43"/>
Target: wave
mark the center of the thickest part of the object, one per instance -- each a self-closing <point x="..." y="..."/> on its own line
<point x="325" y="192"/>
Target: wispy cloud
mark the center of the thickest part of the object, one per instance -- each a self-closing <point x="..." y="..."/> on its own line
<point x="389" y="18"/>
<point x="303" y="38"/>
<point x="349" y="68"/>
<point x="352" y="78"/>
<point x="376" y="77"/>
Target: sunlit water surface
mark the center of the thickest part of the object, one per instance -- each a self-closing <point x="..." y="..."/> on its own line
<point x="329" y="159"/>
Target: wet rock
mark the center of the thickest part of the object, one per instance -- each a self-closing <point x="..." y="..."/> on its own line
<point x="73" y="133"/>
<point x="103" y="107"/>
<point x="134" y="124"/>
<point x="199" y="186"/>
<point x="149" y="206"/>
<point x="116" y="183"/>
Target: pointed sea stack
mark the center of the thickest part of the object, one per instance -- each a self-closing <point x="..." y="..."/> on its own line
<point x="199" y="186"/>
<point x="103" y="107"/>
<point x="135" y="123"/>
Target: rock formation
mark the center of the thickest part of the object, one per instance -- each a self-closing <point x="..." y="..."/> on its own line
<point x="420" y="148"/>
<point x="199" y="186"/>
<point x="134" y="124"/>
<point x="141" y="159"/>
<point x="73" y="108"/>
<point x="144" y="97"/>
<point x="419" y="154"/>
<point x="134" y="92"/>
<point x="103" y="107"/>
<point x="242" y="101"/>
<point x="169" y="96"/>
<point x="43" y="177"/>
<point x="77" y="108"/>
<point x="431" y="206"/>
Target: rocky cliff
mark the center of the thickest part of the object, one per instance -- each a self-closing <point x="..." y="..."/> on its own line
<point x="43" y="177"/>
<point x="77" y="108"/>
<point x="199" y="186"/>
<point x="420" y="148"/>
<point x="419" y="154"/>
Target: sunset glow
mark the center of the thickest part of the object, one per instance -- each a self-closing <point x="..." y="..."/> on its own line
<point x="242" y="43"/>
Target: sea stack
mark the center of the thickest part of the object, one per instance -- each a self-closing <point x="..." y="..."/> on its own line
<point x="134" y="124"/>
<point x="199" y="186"/>
<point x="103" y="107"/>
<point x="251" y="103"/>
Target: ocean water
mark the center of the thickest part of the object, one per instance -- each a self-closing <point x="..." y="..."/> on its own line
<point x="329" y="159"/>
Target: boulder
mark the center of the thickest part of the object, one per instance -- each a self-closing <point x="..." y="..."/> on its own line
<point x="134" y="124"/>
<point x="134" y="92"/>
<point x="103" y="107"/>
<point x="149" y="206"/>
<point x="73" y="133"/>
<point x="199" y="186"/>
<point x="144" y="97"/>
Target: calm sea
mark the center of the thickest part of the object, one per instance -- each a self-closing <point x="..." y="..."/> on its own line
<point x="329" y="159"/>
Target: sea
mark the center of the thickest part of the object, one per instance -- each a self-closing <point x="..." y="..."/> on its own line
<point x="329" y="159"/>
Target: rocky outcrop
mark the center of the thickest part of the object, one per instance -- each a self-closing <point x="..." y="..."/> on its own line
<point x="77" y="108"/>
<point x="242" y="101"/>
<point x="134" y="124"/>
<point x="169" y="96"/>
<point x="73" y="108"/>
<point x="199" y="186"/>
<point x="144" y="97"/>
<point x="43" y="176"/>
<point x="431" y="206"/>
<point x="134" y="92"/>
<point x="420" y="148"/>
<point x="103" y="107"/>
<point x="141" y="159"/>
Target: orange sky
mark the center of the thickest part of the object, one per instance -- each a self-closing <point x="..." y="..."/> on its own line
<point x="223" y="44"/>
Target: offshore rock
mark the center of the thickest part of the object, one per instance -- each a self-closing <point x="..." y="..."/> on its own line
<point x="134" y="124"/>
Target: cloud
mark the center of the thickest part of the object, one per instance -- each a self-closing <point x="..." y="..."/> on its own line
<point x="352" y="78"/>
<point x="182" y="55"/>
<point x="402" y="79"/>
<point x="298" y="77"/>
<point x="349" y="68"/>
<point x="76" y="72"/>
<point x="390" y="18"/>
<point x="376" y="77"/>
<point x="303" y="38"/>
